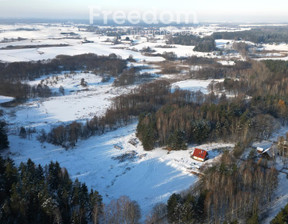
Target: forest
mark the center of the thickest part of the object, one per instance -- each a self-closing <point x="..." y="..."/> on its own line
<point x="17" y="71"/>
<point x="31" y="194"/>
<point x="266" y="35"/>
<point x="36" y="194"/>
<point x="218" y="117"/>
<point x="229" y="192"/>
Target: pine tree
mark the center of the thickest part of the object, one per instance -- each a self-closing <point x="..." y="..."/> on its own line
<point x="282" y="216"/>
<point x="4" y="143"/>
<point x="177" y="141"/>
<point x="32" y="195"/>
<point x="146" y="131"/>
<point x="23" y="133"/>
<point x="172" y="204"/>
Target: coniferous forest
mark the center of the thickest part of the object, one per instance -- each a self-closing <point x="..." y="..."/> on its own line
<point x="31" y="194"/>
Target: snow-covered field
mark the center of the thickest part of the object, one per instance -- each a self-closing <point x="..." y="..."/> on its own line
<point x="195" y="85"/>
<point x="58" y="34"/>
<point x="5" y="99"/>
<point x="109" y="163"/>
<point x="35" y="54"/>
<point x="147" y="177"/>
<point x="78" y="103"/>
<point x="276" y="47"/>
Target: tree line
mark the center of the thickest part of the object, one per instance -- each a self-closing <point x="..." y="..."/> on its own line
<point x="21" y="71"/>
<point x="217" y="118"/>
<point x="258" y="35"/>
<point x="12" y="75"/>
<point x="205" y="44"/>
<point x="22" y="91"/>
<point x="146" y="97"/>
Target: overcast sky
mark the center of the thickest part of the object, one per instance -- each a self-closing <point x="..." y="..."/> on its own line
<point x="206" y="10"/>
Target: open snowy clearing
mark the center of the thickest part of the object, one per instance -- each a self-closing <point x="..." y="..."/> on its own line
<point x="276" y="47"/>
<point x="35" y="54"/>
<point x="114" y="166"/>
<point x="74" y="40"/>
<point x="5" y="99"/>
<point x="195" y="85"/>
<point x="78" y="103"/>
<point x="115" y="163"/>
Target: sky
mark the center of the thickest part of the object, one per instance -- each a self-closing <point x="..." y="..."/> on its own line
<point x="205" y="10"/>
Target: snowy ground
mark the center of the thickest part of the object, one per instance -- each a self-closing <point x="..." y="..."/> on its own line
<point x="73" y="37"/>
<point x="147" y="177"/>
<point x="195" y="85"/>
<point x="5" y="99"/>
<point x="78" y="103"/>
<point x="107" y="163"/>
<point x="280" y="200"/>
<point x="57" y="34"/>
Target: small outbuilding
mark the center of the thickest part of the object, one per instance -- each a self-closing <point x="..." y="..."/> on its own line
<point x="263" y="147"/>
<point x="200" y="155"/>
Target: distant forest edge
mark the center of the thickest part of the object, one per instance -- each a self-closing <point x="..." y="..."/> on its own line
<point x="265" y="35"/>
<point x="13" y="74"/>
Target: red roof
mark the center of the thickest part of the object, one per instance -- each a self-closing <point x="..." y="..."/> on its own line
<point x="200" y="153"/>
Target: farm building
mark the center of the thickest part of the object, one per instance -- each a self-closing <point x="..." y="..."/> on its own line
<point x="200" y="155"/>
<point x="263" y="146"/>
<point x="265" y="149"/>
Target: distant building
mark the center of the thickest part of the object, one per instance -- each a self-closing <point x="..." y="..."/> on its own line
<point x="264" y="149"/>
<point x="85" y="41"/>
<point x="261" y="150"/>
<point x="200" y="155"/>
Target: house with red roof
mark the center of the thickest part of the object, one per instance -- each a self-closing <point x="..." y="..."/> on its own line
<point x="200" y="155"/>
